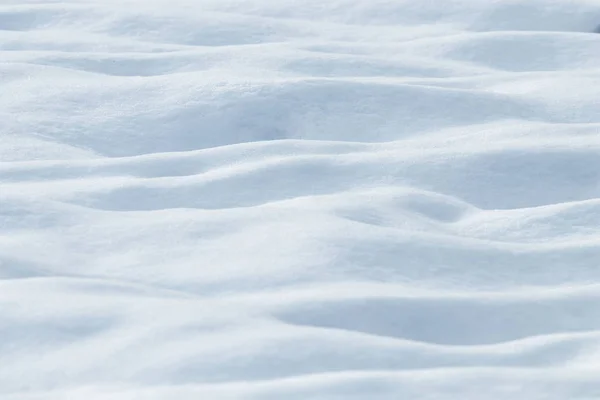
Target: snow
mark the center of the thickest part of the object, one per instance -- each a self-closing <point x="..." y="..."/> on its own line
<point x="299" y="199"/>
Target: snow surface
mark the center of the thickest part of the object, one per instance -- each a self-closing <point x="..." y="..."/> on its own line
<point x="299" y="199"/>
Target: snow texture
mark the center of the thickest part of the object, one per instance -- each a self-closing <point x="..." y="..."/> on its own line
<point x="299" y="199"/>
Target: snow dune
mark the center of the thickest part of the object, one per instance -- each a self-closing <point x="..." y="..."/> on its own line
<point x="350" y="199"/>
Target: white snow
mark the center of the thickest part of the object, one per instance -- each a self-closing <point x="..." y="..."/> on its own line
<point x="299" y="199"/>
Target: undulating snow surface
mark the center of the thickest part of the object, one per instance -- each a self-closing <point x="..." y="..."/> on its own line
<point x="300" y="199"/>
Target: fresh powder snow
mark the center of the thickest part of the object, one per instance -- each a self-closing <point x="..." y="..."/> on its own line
<point x="299" y="199"/>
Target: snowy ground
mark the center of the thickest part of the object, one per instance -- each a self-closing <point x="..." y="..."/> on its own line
<point x="299" y="199"/>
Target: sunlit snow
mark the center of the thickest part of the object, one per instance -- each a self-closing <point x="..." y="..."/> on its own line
<point x="299" y="199"/>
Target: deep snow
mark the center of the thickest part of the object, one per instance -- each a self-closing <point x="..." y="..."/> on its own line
<point x="299" y="199"/>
